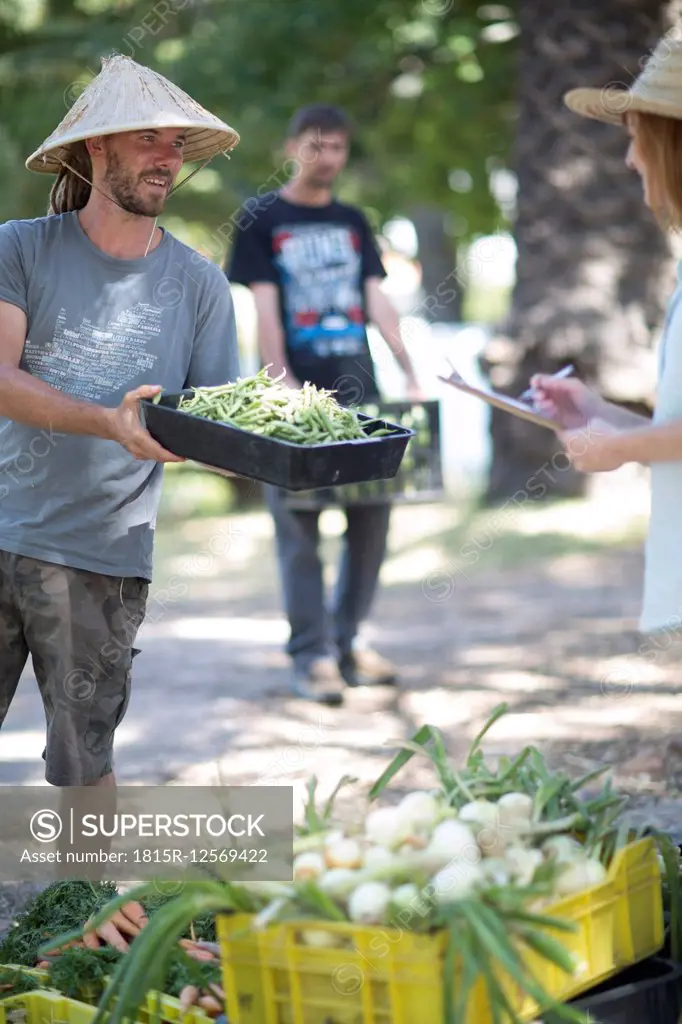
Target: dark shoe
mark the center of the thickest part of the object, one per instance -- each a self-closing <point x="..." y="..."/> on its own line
<point x="367" y="668"/>
<point x="320" y="682"/>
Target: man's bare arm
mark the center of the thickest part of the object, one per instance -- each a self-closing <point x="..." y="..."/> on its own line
<point x="270" y="331"/>
<point x="30" y="401"/>
<point x="384" y="316"/>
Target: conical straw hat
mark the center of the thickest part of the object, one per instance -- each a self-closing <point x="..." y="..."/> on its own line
<point x="126" y="96"/>
<point x="657" y="89"/>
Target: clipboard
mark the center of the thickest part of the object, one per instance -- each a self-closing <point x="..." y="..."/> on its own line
<point x="503" y="402"/>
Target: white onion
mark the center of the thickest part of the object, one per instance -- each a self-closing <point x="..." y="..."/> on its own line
<point x="494" y="841"/>
<point x="337" y="881"/>
<point x="385" y="827"/>
<point x="367" y="904"/>
<point x="479" y="812"/>
<point x="334" y="837"/>
<point x="596" y="871"/>
<point x="456" y="882"/>
<point x="405" y="895"/>
<point x="484" y="819"/>
<point x="515" y="808"/>
<point x="453" y="840"/>
<point x="563" y="849"/>
<point x="344" y="853"/>
<point x="377" y="857"/>
<point x="580" y="875"/>
<point x="497" y="870"/>
<point x="308" y="866"/>
<point x="418" y="809"/>
<point x="523" y="862"/>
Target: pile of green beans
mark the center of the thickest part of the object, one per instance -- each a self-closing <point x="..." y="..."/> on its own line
<point x="264" y="405"/>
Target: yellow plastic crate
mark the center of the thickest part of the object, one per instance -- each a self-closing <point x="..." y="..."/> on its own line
<point x="46" y="1006"/>
<point x="639" y="929"/>
<point x="387" y="976"/>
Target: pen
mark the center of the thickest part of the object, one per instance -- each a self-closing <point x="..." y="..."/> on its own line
<point x="566" y="372"/>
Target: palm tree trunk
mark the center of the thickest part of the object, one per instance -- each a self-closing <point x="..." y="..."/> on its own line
<point x="594" y="270"/>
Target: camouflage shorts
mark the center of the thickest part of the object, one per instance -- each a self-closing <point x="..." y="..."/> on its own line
<point x="79" y="628"/>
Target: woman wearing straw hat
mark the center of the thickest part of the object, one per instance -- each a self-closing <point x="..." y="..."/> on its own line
<point x="99" y="307"/>
<point x="597" y="435"/>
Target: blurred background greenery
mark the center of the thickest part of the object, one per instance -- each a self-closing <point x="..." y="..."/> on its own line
<point x="462" y="137"/>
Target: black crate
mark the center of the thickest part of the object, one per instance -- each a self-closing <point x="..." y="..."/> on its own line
<point x="291" y="466"/>
<point x="419" y="478"/>
<point x="647" y="993"/>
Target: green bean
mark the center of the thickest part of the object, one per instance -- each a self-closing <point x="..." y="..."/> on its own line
<point x="265" y="406"/>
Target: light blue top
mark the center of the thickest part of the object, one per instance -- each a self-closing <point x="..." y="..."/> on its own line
<point x="662" y="604"/>
<point x="99" y="327"/>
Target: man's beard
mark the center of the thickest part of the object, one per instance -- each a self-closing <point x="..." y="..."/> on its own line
<point x="124" y="189"/>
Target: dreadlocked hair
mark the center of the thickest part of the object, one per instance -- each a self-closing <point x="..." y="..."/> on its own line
<point x="70" y="192"/>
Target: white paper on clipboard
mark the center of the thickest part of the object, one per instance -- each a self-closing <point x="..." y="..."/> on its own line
<point x="511" y="405"/>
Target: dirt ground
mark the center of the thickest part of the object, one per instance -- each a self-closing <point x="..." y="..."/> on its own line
<point x="536" y="607"/>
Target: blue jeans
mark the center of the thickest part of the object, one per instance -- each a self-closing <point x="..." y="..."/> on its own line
<point x="315" y="630"/>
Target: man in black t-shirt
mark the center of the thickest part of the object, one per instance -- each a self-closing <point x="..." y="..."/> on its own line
<point x="315" y="272"/>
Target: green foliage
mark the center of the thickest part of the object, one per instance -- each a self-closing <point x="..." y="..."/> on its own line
<point x="15" y="981"/>
<point x="83" y="973"/>
<point x="56" y="909"/>
<point x="430" y="93"/>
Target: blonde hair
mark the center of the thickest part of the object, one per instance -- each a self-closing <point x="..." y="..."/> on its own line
<point x="660" y="144"/>
<point x="69" y="191"/>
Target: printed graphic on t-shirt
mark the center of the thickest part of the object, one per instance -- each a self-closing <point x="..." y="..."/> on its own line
<point x="92" y="362"/>
<point x="320" y="267"/>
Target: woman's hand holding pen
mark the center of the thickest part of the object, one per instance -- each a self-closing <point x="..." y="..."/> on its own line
<point x="590" y="441"/>
<point x="566" y="400"/>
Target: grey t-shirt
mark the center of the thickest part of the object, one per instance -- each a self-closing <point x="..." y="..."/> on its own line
<point x="98" y="327"/>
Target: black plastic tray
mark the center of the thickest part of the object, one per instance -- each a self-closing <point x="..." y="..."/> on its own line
<point x="419" y="479"/>
<point x="293" y="466"/>
<point x="647" y="993"/>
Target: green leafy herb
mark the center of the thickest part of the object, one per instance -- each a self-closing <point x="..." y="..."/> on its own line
<point x="60" y="907"/>
<point x="82" y="973"/>
<point x="12" y="982"/>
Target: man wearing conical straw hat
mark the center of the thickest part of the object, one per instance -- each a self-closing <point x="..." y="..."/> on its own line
<point x="99" y="307"/>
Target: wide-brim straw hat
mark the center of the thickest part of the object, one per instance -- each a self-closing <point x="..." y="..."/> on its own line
<point x="656" y="90"/>
<point x="126" y="96"/>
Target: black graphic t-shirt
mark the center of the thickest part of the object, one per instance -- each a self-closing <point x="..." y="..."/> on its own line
<point x="319" y="258"/>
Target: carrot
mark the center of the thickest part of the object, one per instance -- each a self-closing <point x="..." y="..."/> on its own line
<point x="61" y="949"/>
<point x="200" y="954"/>
<point x="194" y="950"/>
<point x="135" y="912"/>
<point x="44" y="964"/>
<point x="211" y="1005"/>
<point x="188" y="995"/>
<point x="90" y="939"/>
<point x="110" y="934"/>
<point x="124" y="924"/>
